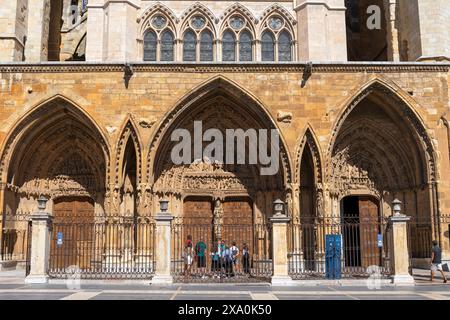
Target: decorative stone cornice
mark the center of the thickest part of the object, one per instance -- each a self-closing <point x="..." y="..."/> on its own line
<point x="86" y="67"/>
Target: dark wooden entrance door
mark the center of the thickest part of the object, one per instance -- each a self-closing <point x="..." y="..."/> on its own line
<point x="360" y="231"/>
<point x="198" y="219"/>
<point x="238" y="222"/>
<point x="73" y="221"/>
<point x="369" y="229"/>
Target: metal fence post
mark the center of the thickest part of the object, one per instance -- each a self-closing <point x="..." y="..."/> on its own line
<point x="40" y="244"/>
<point x="399" y="255"/>
<point x="163" y="246"/>
<point x="280" y="245"/>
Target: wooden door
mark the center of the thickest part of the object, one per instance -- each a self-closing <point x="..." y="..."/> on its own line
<point x="74" y="224"/>
<point x="198" y="220"/>
<point x="238" y="222"/>
<point x="369" y="229"/>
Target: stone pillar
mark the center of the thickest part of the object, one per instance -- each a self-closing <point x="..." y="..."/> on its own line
<point x="321" y="30"/>
<point x="399" y="256"/>
<point x="163" y="249"/>
<point x="36" y="47"/>
<point x="280" y="245"/>
<point x="40" y="246"/>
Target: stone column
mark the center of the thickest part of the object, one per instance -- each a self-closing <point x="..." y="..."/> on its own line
<point x="280" y="245"/>
<point x="40" y="246"/>
<point x="399" y="256"/>
<point x="163" y="249"/>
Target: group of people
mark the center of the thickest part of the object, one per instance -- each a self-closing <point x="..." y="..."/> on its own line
<point x="224" y="259"/>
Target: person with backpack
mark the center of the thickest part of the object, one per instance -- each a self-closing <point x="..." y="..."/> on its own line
<point x="200" y="250"/>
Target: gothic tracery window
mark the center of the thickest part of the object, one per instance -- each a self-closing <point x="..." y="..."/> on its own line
<point x="268" y="46"/>
<point x="198" y="39"/>
<point x="206" y="46"/>
<point x="167" y="46"/>
<point x="237" y="39"/>
<point x="284" y="47"/>
<point x="246" y="46"/>
<point x="159" y="39"/>
<point x="229" y="46"/>
<point x="189" y="46"/>
<point x="276" y="40"/>
<point x="150" y="45"/>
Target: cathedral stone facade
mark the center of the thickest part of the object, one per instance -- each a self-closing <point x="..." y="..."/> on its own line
<point x="91" y="91"/>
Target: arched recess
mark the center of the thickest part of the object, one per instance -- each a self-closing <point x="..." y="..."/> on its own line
<point x="58" y="151"/>
<point x="218" y="103"/>
<point x="380" y="148"/>
<point x="128" y="166"/>
<point x="309" y="176"/>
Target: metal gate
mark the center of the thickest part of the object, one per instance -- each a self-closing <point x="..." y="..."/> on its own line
<point x="106" y="248"/>
<point x="363" y="249"/>
<point x="198" y="254"/>
<point x="15" y="238"/>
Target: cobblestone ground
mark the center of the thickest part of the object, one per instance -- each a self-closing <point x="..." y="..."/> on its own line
<point x="12" y="287"/>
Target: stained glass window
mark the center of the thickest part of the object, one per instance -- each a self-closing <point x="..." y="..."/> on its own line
<point x="206" y="46"/>
<point x="167" y="46"/>
<point x="150" y="44"/>
<point x="268" y="46"/>
<point x="189" y="46"/>
<point x="245" y="47"/>
<point x="284" y="47"/>
<point x="229" y="46"/>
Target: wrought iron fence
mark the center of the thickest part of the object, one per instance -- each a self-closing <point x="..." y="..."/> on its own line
<point x="14" y="237"/>
<point x="364" y="247"/>
<point x="199" y="255"/>
<point x="104" y="248"/>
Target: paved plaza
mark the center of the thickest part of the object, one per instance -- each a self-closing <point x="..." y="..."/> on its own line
<point x="12" y="287"/>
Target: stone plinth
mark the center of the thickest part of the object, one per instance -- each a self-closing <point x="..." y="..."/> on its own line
<point x="40" y="248"/>
<point x="280" y="250"/>
<point x="163" y="250"/>
<point x="399" y="255"/>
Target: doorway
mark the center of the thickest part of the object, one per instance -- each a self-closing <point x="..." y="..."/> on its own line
<point x="361" y="231"/>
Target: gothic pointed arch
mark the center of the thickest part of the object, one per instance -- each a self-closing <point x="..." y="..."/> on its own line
<point x="405" y="108"/>
<point x="145" y="19"/>
<point x="380" y="148"/>
<point x="278" y="10"/>
<point x="222" y="87"/>
<point x="54" y="150"/>
<point x="309" y="140"/>
<point x="238" y="8"/>
<point x="128" y="133"/>
<point x="198" y="17"/>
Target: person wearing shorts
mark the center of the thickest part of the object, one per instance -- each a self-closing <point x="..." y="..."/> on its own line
<point x="200" y="252"/>
<point x="436" y="261"/>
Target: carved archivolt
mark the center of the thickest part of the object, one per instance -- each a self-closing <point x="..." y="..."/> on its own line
<point x="406" y="115"/>
<point x="374" y="152"/>
<point x="218" y="94"/>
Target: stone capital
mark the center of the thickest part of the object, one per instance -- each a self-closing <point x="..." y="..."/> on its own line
<point x="399" y="218"/>
<point x="280" y="219"/>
